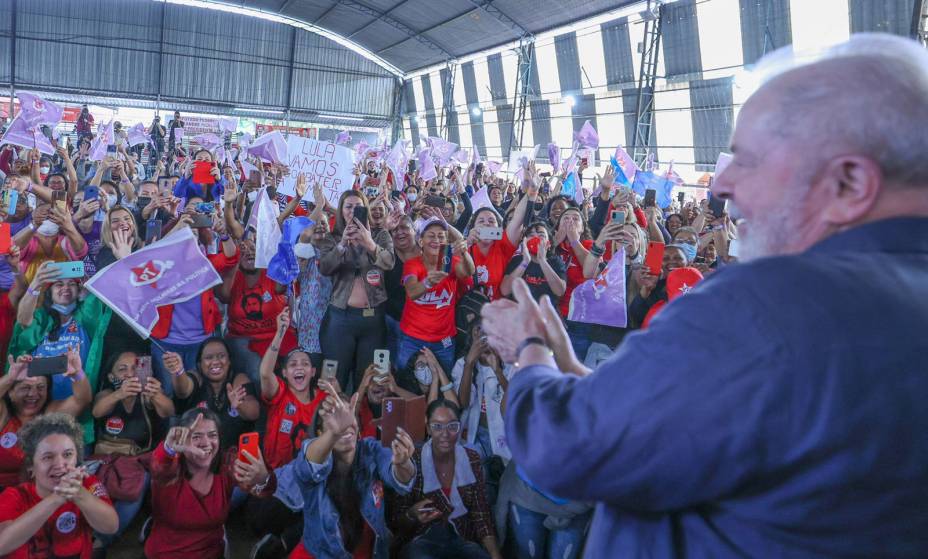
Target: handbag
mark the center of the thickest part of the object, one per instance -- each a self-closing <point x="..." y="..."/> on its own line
<point x="122" y="476"/>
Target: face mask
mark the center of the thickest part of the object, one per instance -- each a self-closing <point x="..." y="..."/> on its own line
<point x="412" y="196"/>
<point x="689" y="251"/>
<point x="423" y="374"/>
<point x="65" y="309"/>
<point x="304" y="250"/>
<point x="44" y="170"/>
<point x="48" y="228"/>
<point x="111" y="200"/>
<point x="253" y="195"/>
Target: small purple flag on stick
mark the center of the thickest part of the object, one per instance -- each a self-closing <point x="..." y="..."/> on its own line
<point x="178" y="135"/>
<point x="601" y="300"/>
<point x="170" y="271"/>
<point x="493" y="167"/>
<point x="398" y="161"/>
<point x="343" y="138"/>
<point x="427" y="169"/>
<point x="722" y="162"/>
<point x="270" y="147"/>
<point x="481" y="199"/>
<point x="208" y="141"/>
<point x="20" y="133"/>
<point x="554" y="156"/>
<point x="105" y="137"/>
<point x="587" y="136"/>
<point x="138" y="135"/>
<point x="228" y="124"/>
<point x="475" y="157"/>
<point x="626" y="162"/>
<point x="442" y="149"/>
<point x="361" y="148"/>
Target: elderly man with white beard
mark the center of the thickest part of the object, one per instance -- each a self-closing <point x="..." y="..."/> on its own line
<point x="792" y="422"/>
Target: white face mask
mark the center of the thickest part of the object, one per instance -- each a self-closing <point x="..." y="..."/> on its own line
<point x="44" y="170"/>
<point x="423" y="374"/>
<point x="253" y="195"/>
<point x="48" y="228"/>
<point x="411" y="196"/>
<point x="304" y="250"/>
<point x="111" y="200"/>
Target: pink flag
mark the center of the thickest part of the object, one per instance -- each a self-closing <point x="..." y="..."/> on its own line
<point x="247" y="168"/>
<point x="228" y="124"/>
<point x="208" y="141"/>
<point x="105" y="137"/>
<point x="475" y="157"/>
<point x="442" y="149"/>
<point x="343" y="138"/>
<point x="245" y="140"/>
<point x="170" y="271"/>
<point x="493" y="167"/>
<point x="461" y="156"/>
<point x="427" y="169"/>
<point x="270" y="147"/>
<point x="481" y="199"/>
<point x="626" y="162"/>
<point x="20" y="133"/>
<point x="570" y="165"/>
<point x="398" y="161"/>
<point x="587" y="136"/>
<point x="722" y="162"/>
<point x="361" y="148"/>
<point x="178" y="135"/>
<point x="138" y="135"/>
<point x="672" y="175"/>
<point x="36" y="110"/>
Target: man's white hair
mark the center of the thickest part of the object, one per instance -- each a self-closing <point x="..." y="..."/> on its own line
<point x="868" y="95"/>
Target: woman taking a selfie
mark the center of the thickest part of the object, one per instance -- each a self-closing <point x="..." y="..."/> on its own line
<point x="357" y="260"/>
<point x="191" y="489"/>
<point x="24" y="398"/>
<point x="54" y="513"/>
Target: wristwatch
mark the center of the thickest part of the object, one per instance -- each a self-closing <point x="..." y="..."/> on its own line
<point x="531" y="340"/>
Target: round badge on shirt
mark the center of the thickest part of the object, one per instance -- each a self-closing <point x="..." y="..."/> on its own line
<point x="290" y="409"/>
<point x="115" y="425"/>
<point x="8" y="440"/>
<point x="66" y="523"/>
<point x="374" y="277"/>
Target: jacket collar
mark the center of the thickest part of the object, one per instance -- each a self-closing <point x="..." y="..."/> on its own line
<point x="895" y="235"/>
<point x="463" y="475"/>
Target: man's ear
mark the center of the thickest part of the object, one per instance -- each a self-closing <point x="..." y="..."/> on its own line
<point x="852" y="185"/>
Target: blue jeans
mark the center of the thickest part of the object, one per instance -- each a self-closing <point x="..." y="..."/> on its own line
<point x="491" y="472"/>
<point x="187" y="352"/>
<point x="126" y="511"/>
<point x="581" y="337"/>
<point x="532" y="539"/>
<point x="440" y="541"/>
<point x="409" y="347"/>
<point x="393" y="336"/>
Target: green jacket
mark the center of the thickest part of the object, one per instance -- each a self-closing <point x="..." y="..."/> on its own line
<point x="94" y="318"/>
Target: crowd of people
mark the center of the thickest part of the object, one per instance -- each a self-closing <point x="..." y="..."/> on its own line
<point x="156" y="428"/>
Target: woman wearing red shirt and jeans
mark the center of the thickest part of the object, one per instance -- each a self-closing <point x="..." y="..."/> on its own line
<point x="428" y="316"/>
<point x="573" y="243"/>
<point x="492" y="256"/>
<point x="191" y="489"/>
<point x="254" y="300"/>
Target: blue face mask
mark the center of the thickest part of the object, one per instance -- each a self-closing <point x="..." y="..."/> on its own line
<point x="688" y="250"/>
<point x="65" y="309"/>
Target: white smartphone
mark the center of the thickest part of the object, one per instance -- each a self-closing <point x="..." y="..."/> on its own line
<point x="733" y="248"/>
<point x="382" y="360"/>
<point x="490" y="233"/>
<point x="329" y="368"/>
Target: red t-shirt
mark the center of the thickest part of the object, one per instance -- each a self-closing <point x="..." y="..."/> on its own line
<point x="574" y="271"/>
<point x="289" y="422"/>
<point x="253" y="310"/>
<point x="64" y="534"/>
<point x="430" y="318"/>
<point x="492" y="267"/>
<point x="185" y="523"/>
<point x="11" y="454"/>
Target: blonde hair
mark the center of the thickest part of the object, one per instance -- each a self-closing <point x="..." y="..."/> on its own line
<point x="106" y="231"/>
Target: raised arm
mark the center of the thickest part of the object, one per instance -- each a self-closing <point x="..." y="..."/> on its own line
<point x="270" y="384"/>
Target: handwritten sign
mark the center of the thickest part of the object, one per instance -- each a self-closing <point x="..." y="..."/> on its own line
<point x="330" y="165"/>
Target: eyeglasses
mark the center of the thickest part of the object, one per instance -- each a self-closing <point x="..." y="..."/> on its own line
<point x="453" y="428"/>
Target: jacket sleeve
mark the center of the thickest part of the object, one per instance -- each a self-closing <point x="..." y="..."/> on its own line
<point x="384" y="458"/>
<point x="309" y="473"/>
<point x="383" y="257"/>
<point x="181" y="189"/>
<point x="164" y="467"/>
<point x="330" y="256"/>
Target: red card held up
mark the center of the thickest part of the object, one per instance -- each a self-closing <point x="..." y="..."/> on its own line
<point x="201" y="172"/>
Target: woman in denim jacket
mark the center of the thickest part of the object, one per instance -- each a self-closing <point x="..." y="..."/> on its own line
<point x="342" y="484"/>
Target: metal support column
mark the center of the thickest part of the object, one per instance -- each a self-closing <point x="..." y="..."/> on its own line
<point x="398" y="109"/>
<point x="522" y="91"/>
<point x="164" y="7"/>
<point x="447" y="93"/>
<point x="917" y="30"/>
<point x="12" y="56"/>
<point x="647" y="75"/>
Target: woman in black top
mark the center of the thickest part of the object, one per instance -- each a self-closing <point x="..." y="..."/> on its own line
<point x="213" y="386"/>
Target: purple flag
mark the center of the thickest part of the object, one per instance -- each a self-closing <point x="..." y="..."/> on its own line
<point x="672" y="175"/>
<point x="722" y="162"/>
<point x="170" y="271"/>
<point x="493" y="167"/>
<point x="343" y="138"/>
<point x="178" y="135"/>
<point x="398" y="161"/>
<point x="554" y="156"/>
<point x="587" y="136"/>
<point x="361" y="148"/>
<point x="461" y="156"/>
<point x="570" y="165"/>
<point x="138" y="135"/>
<point x="475" y="157"/>
<point x="245" y="140"/>
<point x="270" y="147"/>
<point x="626" y="162"/>
<point x="601" y="300"/>
<point x="228" y="124"/>
<point x="20" y="133"/>
<point x="105" y="137"/>
<point x="427" y="169"/>
<point x="442" y="149"/>
<point x="36" y="110"/>
<point x="481" y="199"/>
<point x="208" y="141"/>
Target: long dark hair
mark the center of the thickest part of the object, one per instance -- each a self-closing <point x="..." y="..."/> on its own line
<point x="342" y="488"/>
<point x="187" y="420"/>
<point x="339" y="218"/>
<point x="54" y="314"/>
